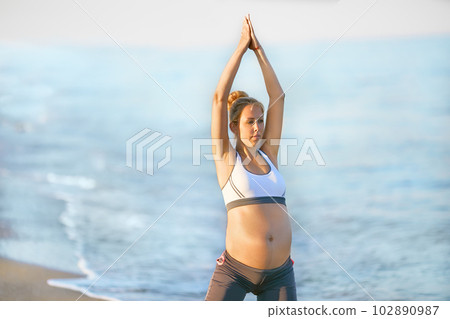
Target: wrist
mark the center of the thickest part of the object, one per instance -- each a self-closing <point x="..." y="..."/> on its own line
<point x="257" y="47"/>
<point x="242" y="47"/>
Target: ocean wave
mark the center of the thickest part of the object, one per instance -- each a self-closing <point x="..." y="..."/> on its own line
<point x="69" y="219"/>
<point x="68" y="180"/>
<point x="59" y="284"/>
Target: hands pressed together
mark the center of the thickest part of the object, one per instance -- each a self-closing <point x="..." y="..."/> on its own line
<point x="248" y="37"/>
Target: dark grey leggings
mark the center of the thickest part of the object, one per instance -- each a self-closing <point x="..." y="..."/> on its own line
<point x="232" y="280"/>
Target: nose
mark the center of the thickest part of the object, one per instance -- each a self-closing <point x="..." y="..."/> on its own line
<point x="257" y="126"/>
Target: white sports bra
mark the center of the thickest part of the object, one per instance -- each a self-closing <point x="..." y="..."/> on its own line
<point x="245" y="188"/>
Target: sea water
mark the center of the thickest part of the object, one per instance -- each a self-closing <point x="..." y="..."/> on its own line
<point x="371" y="223"/>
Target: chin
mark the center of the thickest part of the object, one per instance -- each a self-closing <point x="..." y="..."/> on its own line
<point x="256" y="142"/>
<point x="251" y="142"/>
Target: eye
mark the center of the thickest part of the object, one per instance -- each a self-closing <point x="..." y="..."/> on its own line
<point x="260" y="121"/>
<point x="251" y="122"/>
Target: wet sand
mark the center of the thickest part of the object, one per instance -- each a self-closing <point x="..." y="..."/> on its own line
<point x="20" y="281"/>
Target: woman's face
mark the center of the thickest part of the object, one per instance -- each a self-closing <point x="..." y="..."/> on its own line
<point x="251" y="125"/>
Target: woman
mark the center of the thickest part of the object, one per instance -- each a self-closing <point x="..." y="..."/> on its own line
<point x="258" y="237"/>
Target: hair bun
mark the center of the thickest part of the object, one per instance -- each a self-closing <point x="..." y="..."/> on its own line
<point x="234" y="96"/>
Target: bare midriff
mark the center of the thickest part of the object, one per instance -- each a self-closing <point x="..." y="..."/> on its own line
<point x="260" y="235"/>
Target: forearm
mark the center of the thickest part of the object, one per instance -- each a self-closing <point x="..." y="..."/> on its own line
<point x="273" y="87"/>
<point x="229" y="73"/>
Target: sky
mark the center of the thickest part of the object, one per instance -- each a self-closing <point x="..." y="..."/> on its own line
<point x="200" y="23"/>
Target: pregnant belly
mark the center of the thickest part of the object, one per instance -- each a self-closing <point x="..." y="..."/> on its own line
<point x="259" y="235"/>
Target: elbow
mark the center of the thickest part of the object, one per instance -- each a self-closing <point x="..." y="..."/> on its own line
<point x="278" y="96"/>
<point x="219" y="98"/>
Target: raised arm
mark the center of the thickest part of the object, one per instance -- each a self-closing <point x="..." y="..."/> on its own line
<point x="219" y="121"/>
<point x="274" y="120"/>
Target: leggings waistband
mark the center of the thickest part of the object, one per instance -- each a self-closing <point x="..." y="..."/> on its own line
<point x="239" y="264"/>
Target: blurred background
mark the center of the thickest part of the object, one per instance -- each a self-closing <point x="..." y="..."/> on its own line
<point x="79" y="78"/>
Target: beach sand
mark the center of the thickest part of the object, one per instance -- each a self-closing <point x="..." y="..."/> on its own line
<point x="20" y="281"/>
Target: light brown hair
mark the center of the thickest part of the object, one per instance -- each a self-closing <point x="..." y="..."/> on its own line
<point x="237" y="100"/>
